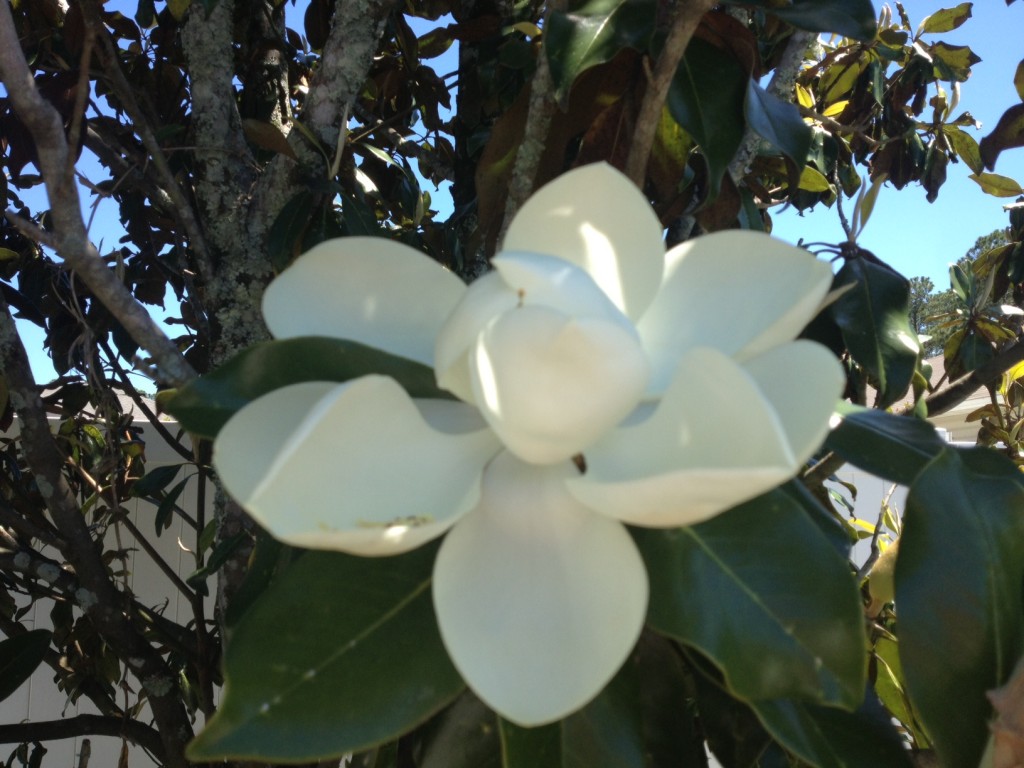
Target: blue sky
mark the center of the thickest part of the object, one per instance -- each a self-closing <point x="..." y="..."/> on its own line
<point x="916" y="237"/>
<point x="921" y="238"/>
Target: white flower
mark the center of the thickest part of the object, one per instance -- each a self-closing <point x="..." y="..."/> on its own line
<point x="601" y="381"/>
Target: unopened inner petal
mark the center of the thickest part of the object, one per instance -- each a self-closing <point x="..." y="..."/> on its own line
<point x="549" y="385"/>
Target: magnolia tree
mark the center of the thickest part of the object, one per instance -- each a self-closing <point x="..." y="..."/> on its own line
<point x="546" y="479"/>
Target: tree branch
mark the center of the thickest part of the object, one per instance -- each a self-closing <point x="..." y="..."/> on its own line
<point x="781" y="85"/>
<point x="85" y="725"/>
<point x="72" y="241"/>
<point x="181" y="208"/>
<point x="99" y="598"/>
<point x="538" y="121"/>
<point x="687" y="17"/>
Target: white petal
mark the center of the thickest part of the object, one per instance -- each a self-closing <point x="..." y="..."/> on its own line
<point x="596" y="218"/>
<point x="740" y="292"/>
<point x="539" y="600"/>
<point x="549" y="385"/>
<point x="520" y="279"/>
<point x="713" y="442"/>
<point x="356" y="467"/>
<point x="485" y="299"/>
<point x="803" y="381"/>
<point x="367" y="289"/>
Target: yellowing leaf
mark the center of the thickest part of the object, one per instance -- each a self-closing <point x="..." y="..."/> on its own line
<point x="804" y="97"/>
<point x="527" y="28"/>
<point x="836" y="109"/>
<point x="996" y="185"/>
<point x="1014" y="374"/>
<point x="965" y="147"/>
<point x="813" y="181"/>
<point x="178" y="8"/>
<point x="947" y="19"/>
<point x="1018" y="79"/>
<point x="268" y="136"/>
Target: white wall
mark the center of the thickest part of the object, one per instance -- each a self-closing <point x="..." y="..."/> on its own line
<point x="40" y="699"/>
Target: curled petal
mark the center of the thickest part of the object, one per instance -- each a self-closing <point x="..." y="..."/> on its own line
<point x="713" y="442"/>
<point x="740" y="292"/>
<point x="802" y="380"/>
<point x="357" y="467"/>
<point x="367" y="289"/>
<point x="539" y="600"/>
<point x="550" y="385"/>
<point x="596" y="218"/>
<point x="488" y="297"/>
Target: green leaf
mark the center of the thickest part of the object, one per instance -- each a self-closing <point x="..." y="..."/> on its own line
<point x="340" y="654"/>
<point x="204" y="405"/>
<point x="872" y="316"/>
<point x="592" y="34"/>
<point x="706" y="98"/>
<point x="284" y="241"/>
<point x="155" y="480"/>
<point x="892" y="447"/>
<point x="831" y="738"/>
<point x="642" y="719"/>
<point x="778" y="122"/>
<point x="531" y="747"/>
<point x="1008" y="133"/>
<point x="740" y="733"/>
<point x="850" y="18"/>
<point x="465" y="735"/>
<point x="19" y="657"/>
<point x="1018" y="79"/>
<point x="794" y="624"/>
<point x="959" y="591"/>
<point x="947" y="19"/>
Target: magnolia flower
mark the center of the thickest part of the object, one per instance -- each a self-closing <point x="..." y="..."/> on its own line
<point x="600" y="381"/>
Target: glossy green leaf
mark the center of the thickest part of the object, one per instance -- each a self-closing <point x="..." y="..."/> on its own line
<point x="1008" y="133"/>
<point x="642" y="719"/>
<point x="284" y="241"/>
<point x="872" y="315"/>
<point x="465" y="735"/>
<point x="892" y="447"/>
<point x="850" y="18"/>
<point x="959" y="592"/>
<point x="19" y="657"/>
<point x="778" y="122"/>
<point x="741" y="734"/>
<point x="155" y="480"/>
<point x="706" y="98"/>
<point x="831" y="738"/>
<point x="794" y="623"/>
<point x="531" y="747"/>
<point x="204" y="405"/>
<point x="341" y="653"/>
<point x="947" y="19"/>
<point x="592" y="34"/>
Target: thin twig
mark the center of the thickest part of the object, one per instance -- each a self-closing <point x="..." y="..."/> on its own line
<point x="72" y="241"/>
<point x="687" y="17"/>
